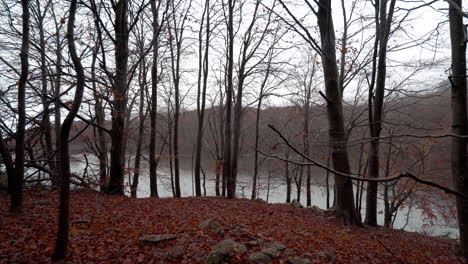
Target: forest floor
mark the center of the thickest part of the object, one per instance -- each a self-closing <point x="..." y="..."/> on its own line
<point x="107" y="229"/>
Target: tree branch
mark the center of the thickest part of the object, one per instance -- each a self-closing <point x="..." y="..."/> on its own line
<point x="395" y="177"/>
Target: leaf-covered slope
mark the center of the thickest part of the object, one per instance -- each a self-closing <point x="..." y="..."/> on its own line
<point x="106" y="229"/>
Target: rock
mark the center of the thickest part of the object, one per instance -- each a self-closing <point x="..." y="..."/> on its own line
<point x="228" y="243"/>
<point x="212" y="226"/>
<point x="252" y="243"/>
<point x="278" y="246"/>
<point x="259" y="258"/>
<point x="156" y="239"/>
<point x="274" y="250"/>
<point x="319" y="210"/>
<point x="298" y="260"/>
<point x="231" y="246"/>
<point x="326" y="255"/>
<point x="240" y="248"/>
<point x="260" y="200"/>
<point x="175" y="252"/>
<point x="217" y="257"/>
<point x="224" y="251"/>
<point x="296" y="204"/>
<point x="239" y="232"/>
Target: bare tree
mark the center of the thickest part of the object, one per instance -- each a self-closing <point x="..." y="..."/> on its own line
<point x="8" y="162"/>
<point x="141" y="112"/>
<point x="203" y="59"/>
<point x="227" y="155"/>
<point x="176" y="38"/>
<point x="333" y="94"/>
<point x="119" y="102"/>
<point x="17" y="186"/>
<point x="459" y="117"/>
<point x="40" y="16"/>
<point x="383" y="20"/>
<point x="63" y="225"/>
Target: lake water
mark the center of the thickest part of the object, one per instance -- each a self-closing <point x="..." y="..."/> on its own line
<point x="413" y="220"/>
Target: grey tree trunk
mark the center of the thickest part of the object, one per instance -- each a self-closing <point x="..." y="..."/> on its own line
<point x="57" y="89"/>
<point x="201" y="95"/>
<point x="61" y="243"/>
<point x="45" y="123"/>
<point x="154" y="101"/>
<point x="337" y="136"/>
<point x="119" y="102"/>
<point x="459" y="120"/>
<point x="288" y="178"/>
<point x="305" y="138"/>
<point x="257" y="136"/>
<point x="100" y="118"/>
<point x="227" y="167"/>
<point x="375" y="116"/>
<point x="141" y="125"/>
<point x="8" y="162"/>
<point x="17" y="187"/>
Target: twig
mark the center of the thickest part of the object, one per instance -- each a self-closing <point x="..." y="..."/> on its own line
<point x="395" y="177"/>
<point x="389" y="250"/>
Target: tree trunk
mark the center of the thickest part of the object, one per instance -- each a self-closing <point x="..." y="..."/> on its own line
<point x="100" y="119"/>
<point x="176" y="52"/>
<point x="337" y="135"/>
<point x="375" y="118"/>
<point x="57" y="91"/>
<point x="268" y="186"/>
<point x="141" y="125"/>
<point x="201" y="97"/>
<point x="257" y="135"/>
<point x="227" y="166"/>
<point x="45" y="124"/>
<point x="61" y="243"/>
<point x="154" y="102"/>
<point x="119" y="102"/>
<point x="288" y="179"/>
<point x="17" y="190"/>
<point x="327" y="181"/>
<point x="171" y="169"/>
<point x="387" y="213"/>
<point x="8" y="162"/>
<point x="175" y="141"/>
<point x="459" y="120"/>
<point x="305" y="138"/>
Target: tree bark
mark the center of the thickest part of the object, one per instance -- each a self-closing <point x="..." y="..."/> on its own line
<point x="154" y="101"/>
<point x="305" y="138"/>
<point x="257" y="136"/>
<point x="141" y="125"/>
<point x="119" y="102"/>
<point x="17" y="190"/>
<point x="201" y="95"/>
<point x="100" y="119"/>
<point x="337" y="135"/>
<point x="459" y="120"/>
<point x="57" y="91"/>
<point x="375" y="118"/>
<point x="288" y="178"/>
<point x="227" y="167"/>
<point x="61" y="243"/>
<point x="8" y="162"/>
<point x="45" y="123"/>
